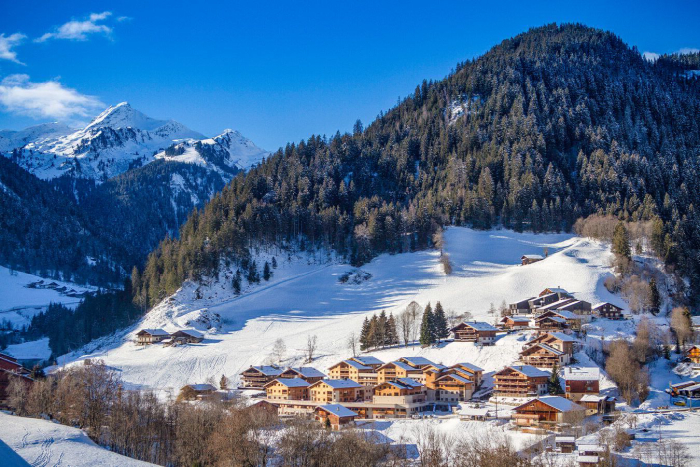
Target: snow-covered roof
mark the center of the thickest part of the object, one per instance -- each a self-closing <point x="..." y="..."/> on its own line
<point x="557" y="319"/>
<point x="555" y="290"/>
<point x="561" y="336"/>
<point x="368" y="360"/>
<point x="590" y="448"/>
<point x="547" y="348"/>
<point x="461" y="379"/>
<point x="533" y="256"/>
<point x="339" y="383"/>
<point x="695" y="320"/>
<point x="564" y="439"/>
<point x="683" y="384"/>
<point x="269" y="370"/>
<point x="202" y="387"/>
<point x="566" y="314"/>
<point x="587" y="459"/>
<point x="468" y="366"/>
<point x="292" y="382"/>
<point x="595" y="398"/>
<point x="192" y="332"/>
<point x="529" y="371"/>
<point x="555" y="305"/>
<point x="402" y="365"/>
<point x="337" y="409"/>
<point x="557" y="402"/>
<point x="155" y="332"/>
<point x="308" y="371"/>
<point x="474" y="411"/>
<point x="694" y="387"/>
<point x="405" y="383"/>
<point x="417" y="361"/>
<point x="601" y="304"/>
<point x="481" y="326"/>
<point x="517" y="318"/>
<point x="578" y="373"/>
<point x="359" y="366"/>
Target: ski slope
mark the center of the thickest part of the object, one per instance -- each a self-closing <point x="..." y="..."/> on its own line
<point x="304" y="298"/>
<point x="30" y="441"/>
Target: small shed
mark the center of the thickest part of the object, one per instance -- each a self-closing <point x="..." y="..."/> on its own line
<point x="529" y="259"/>
<point x="480" y="414"/>
<point x="334" y="415"/>
<point x="565" y="444"/>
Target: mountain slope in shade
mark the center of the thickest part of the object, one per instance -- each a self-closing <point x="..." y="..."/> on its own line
<point x="119" y="139"/>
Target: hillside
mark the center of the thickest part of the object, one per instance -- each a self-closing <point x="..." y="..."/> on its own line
<point x="554" y="124"/>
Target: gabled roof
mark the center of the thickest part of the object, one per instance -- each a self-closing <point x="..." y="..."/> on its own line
<point x="368" y="360"/>
<point x="409" y="382"/>
<point x="337" y="409"/>
<point x="290" y="382"/>
<point x="461" y="379"/>
<point x="532" y="256"/>
<point x="268" y="370"/>
<point x="601" y="304"/>
<point x="402" y="365"/>
<point x="307" y="371"/>
<point x="192" y="333"/>
<point x="542" y="346"/>
<point x="558" y="403"/>
<point x="561" y="336"/>
<point x="8" y="357"/>
<point x="154" y="332"/>
<point x="468" y="366"/>
<point x="354" y="364"/>
<point x="558" y="303"/>
<point x="516" y="318"/>
<point x="417" y="361"/>
<point x="578" y="373"/>
<point x="339" y="383"/>
<point x="557" y="319"/>
<point x="528" y="370"/>
<point x="556" y="290"/>
<point x="573" y="304"/>
<point x="566" y="314"/>
<point x="595" y="398"/>
<point x="478" y="325"/>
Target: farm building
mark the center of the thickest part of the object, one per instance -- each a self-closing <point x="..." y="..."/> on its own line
<point x="547" y="410"/>
<point x="581" y="381"/>
<point x="287" y="389"/>
<point x="187" y="336"/>
<point x="256" y="377"/>
<point x="197" y="391"/>
<point x="580" y="307"/>
<point x="520" y="381"/>
<point x="607" y="310"/>
<point x="529" y="259"/>
<point x="151" y="336"/>
<point x="543" y="356"/>
<point x="334" y="415"/>
<point x="477" y="331"/>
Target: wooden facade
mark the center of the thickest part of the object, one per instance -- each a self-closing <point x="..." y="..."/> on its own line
<point x="520" y="381"/>
<point x="543" y="356"/>
<point x="693" y="354"/>
<point x="453" y="388"/>
<point x="11" y="369"/>
<point x="287" y="389"/>
<point x="395" y="370"/>
<point x="552" y="323"/>
<point x="334" y="415"/>
<point x="548" y="410"/>
<point x="307" y="373"/>
<point x="256" y="377"/>
<point x="151" y="336"/>
<point x="478" y="332"/>
<point x="187" y="336"/>
<point x="529" y="259"/>
<point x="514" y="322"/>
<point x="557" y="340"/>
<point x="607" y="310"/>
<point x="329" y="391"/>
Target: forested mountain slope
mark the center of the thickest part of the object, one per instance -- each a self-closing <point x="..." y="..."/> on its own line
<point x="556" y="123"/>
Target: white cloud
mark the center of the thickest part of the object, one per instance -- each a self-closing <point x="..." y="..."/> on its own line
<point x="80" y="30"/>
<point x="650" y="56"/>
<point x="49" y="99"/>
<point x="7" y="43"/>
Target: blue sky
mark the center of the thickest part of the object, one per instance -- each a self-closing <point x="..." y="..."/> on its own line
<point x="276" y="71"/>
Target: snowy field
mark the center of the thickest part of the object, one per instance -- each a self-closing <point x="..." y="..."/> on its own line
<point x="30" y="441"/>
<point x="304" y="298"/>
<point x="18" y="303"/>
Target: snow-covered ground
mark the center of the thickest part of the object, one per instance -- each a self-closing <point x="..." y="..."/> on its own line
<point x="18" y="302"/>
<point x="30" y="441"/>
<point x="304" y="298"/>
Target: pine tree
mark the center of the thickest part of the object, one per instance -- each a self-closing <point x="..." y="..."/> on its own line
<point x="391" y="333"/>
<point x="253" y="275"/>
<point x="442" y="331"/>
<point x="621" y="241"/>
<point x="267" y="273"/>
<point x="364" y="335"/>
<point x="655" y="296"/>
<point x="382" y="329"/>
<point x="373" y="334"/>
<point x="554" y="385"/>
<point x="427" y="337"/>
<point x="274" y="262"/>
<point x="236" y="283"/>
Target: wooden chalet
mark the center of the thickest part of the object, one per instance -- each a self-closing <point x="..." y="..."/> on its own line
<point x="596" y="404"/>
<point x="369" y="361"/>
<point x="561" y="293"/>
<point x="351" y="369"/>
<point x="404" y="391"/>
<point x="543" y="356"/>
<point x="151" y="336"/>
<point x="334" y="415"/>
<point x="547" y="410"/>
<point x="256" y="377"/>
<point x="395" y="370"/>
<point x="417" y="362"/>
<point x="581" y="381"/>
<point x="552" y="306"/>
<point x="543" y="300"/>
<point x="529" y="259"/>
<point x="520" y="381"/>
<point x="472" y="372"/>
<point x="693" y="354"/>
<point x="558" y="340"/>
<point x="11" y="369"/>
<point x="515" y="322"/>
<point x="477" y="331"/>
<point x="607" y="310"/>
<point x="551" y="323"/>
<point x="573" y="321"/>
<point x="307" y="373"/>
<point x="287" y="389"/>
<point x="523" y="306"/>
<point x="452" y="387"/>
<point x="330" y="391"/>
<point x="265" y="406"/>
<point x="565" y="444"/>
<point x="187" y="336"/>
<point x="589" y="455"/>
<point x="201" y="391"/>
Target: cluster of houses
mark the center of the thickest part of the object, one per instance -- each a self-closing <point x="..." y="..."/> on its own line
<point x="160" y="336"/>
<point x="685" y="394"/>
<point x="11" y="369"/>
<point x="366" y="386"/>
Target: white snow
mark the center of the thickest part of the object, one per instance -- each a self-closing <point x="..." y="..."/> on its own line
<point x="33" y="350"/>
<point x="40" y="442"/>
<point x="18" y="303"/>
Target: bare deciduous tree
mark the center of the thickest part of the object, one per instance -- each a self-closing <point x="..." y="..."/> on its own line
<point x="311" y="342"/>
<point x="681" y="326"/>
<point x="278" y="351"/>
<point x="352" y="344"/>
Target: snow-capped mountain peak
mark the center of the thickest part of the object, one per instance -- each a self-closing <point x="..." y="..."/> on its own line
<point x="120" y="138"/>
